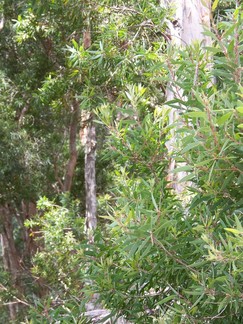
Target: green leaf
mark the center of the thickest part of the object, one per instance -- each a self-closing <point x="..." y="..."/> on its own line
<point x="183" y="168"/>
<point x="198" y="291"/>
<point x="210" y="34"/>
<point x="240" y="109"/>
<point x="187" y="178"/>
<point x="230" y="31"/>
<point x="111" y="218"/>
<point x="215" y="4"/>
<point x="166" y="299"/>
<point x="223" y="304"/>
<point x="213" y="50"/>
<point x="197" y="114"/>
<point x="198" y="300"/>
<point x="198" y="264"/>
<point x="143" y="244"/>
<point x="238" y="223"/>
<point x="154" y="202"/>
<point x="224" y="118"/>
<point x="203" y="162"/>
<point x="234" y="231"/>
<point x="190" y="146"/>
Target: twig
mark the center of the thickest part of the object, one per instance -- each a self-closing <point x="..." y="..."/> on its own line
<point x="17" y="299"/>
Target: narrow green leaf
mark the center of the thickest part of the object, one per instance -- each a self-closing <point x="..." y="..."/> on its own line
<point x="183" y="168"/>
<point x="190" y="146"/>
<point x="238" y="223"/>
<point x="165" y="225"/>
<point x="197" y="114"/>
<point x="213" y="50"/>
<point x="187" y="178"/>
<point x="197" y="301"/>
<point x="224" y="118"/>
<point x="111" y="218"/>
<point x="166" y="299"/>
<point x="143" y="245"/>
<point x="198" y="264"/>
<point x="210" y="34"/>
<point x="223" y="304"/>
<point x="154" y="202"/>
<point x="230" y="31"/>
<point x="203" y="162"/>
<point x="240" y="109"/>
<point x="215" y="4"/>
<point x="196" y="292"/>
<point x="133" y="249"/>
<point x="234" y="231"/>
<point x="146" y="252"/>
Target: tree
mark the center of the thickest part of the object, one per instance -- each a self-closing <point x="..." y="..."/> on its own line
<point x="163" y="259"/>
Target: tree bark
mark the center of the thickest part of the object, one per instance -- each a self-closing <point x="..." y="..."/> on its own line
<point x="70" y="169"/>
<point x="27" y="211"/>
<point x="88" y="139"/>
<point x="191" y="16"/>
<point x="10" y="255"/>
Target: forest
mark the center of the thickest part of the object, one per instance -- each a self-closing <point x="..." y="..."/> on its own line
<point x="121" y="161"/>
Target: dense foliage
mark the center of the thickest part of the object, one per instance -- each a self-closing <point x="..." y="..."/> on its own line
<point x="157" y="257"/>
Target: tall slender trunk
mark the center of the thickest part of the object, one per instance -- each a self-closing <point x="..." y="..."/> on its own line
<point x="88" y="138"/>
<point x="191" y="16"/>
<point x="73" y="155"/>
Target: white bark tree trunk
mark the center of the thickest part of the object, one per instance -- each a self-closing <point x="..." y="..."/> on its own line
<point x="191" y="16"/>
<point x="88" y="139"/>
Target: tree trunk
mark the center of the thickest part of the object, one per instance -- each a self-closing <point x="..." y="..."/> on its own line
<point x="70" y="169"/>
<point x="88" y="139"/>
<point x="191" y="16"/>
<point x="10" y="256"/>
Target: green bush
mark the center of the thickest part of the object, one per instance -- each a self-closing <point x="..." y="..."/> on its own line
<point x="181" y="260"/>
